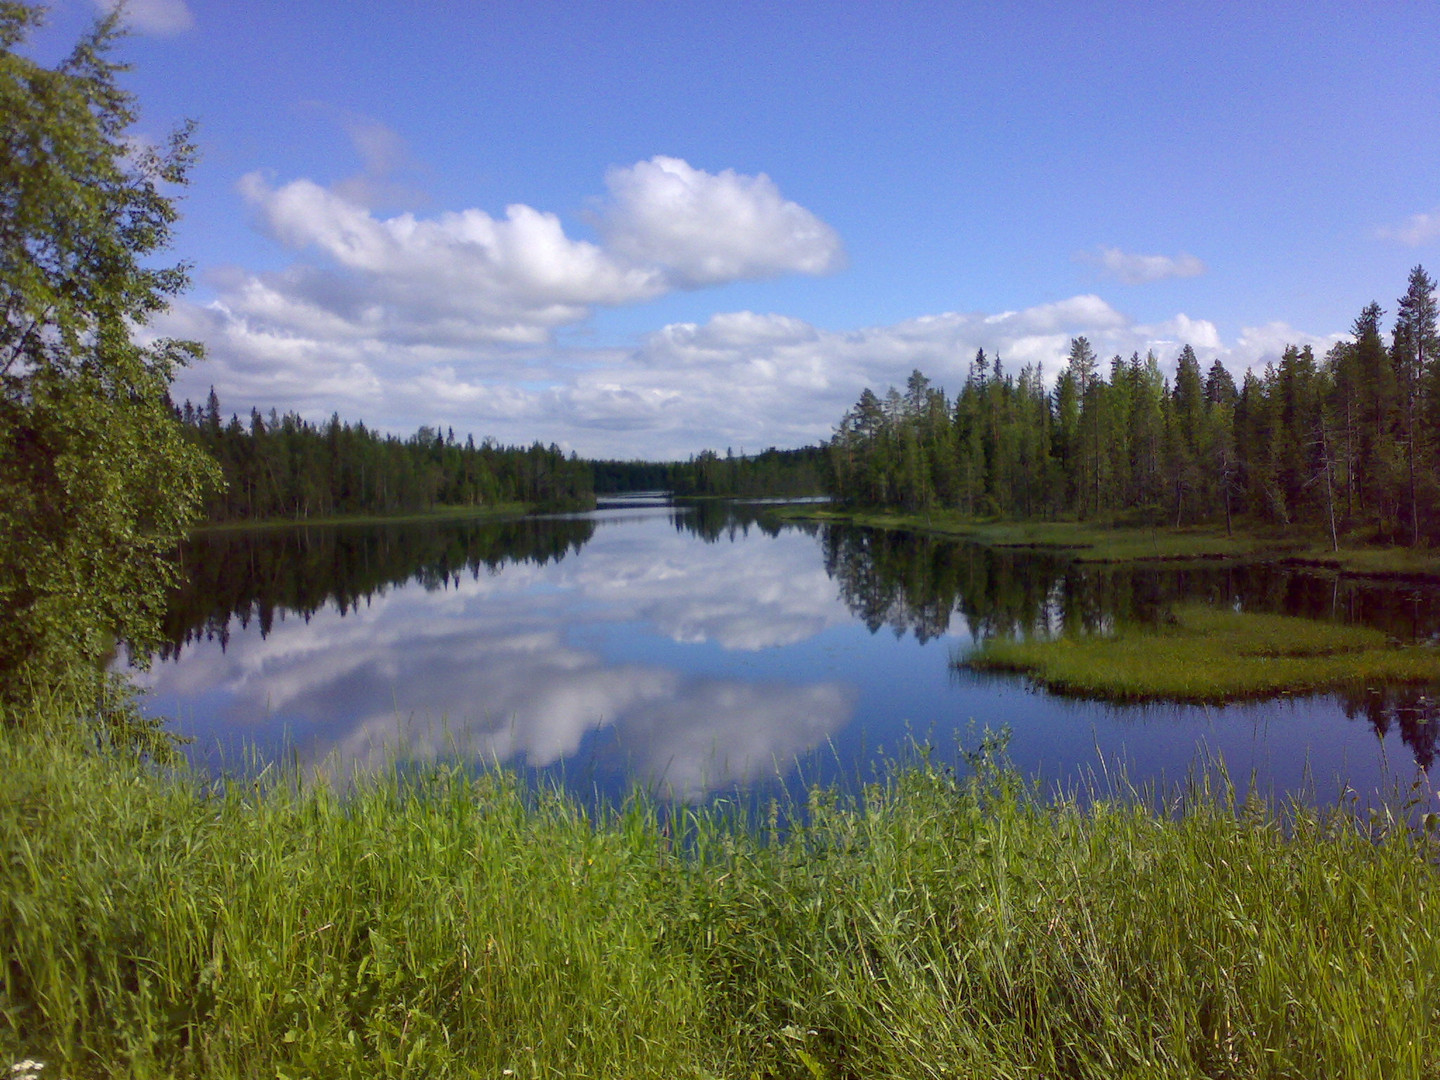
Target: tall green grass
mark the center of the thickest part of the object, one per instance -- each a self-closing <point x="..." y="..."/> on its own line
<point x="439" y="924"/>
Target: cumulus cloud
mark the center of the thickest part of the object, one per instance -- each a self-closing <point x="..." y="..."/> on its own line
<point x="1200" y="334"/>
<point x="744" y="379"/>
<point x="1133" y="269"/>
<point x="455" y="277"/>
<point x="1258" y="345"/>
<point x="465" y="277"/>
<point x="405" y="318"/>
<point x="152" y="16"/>
<point x="1417" y="230"/>
<point x="706" y="228"/>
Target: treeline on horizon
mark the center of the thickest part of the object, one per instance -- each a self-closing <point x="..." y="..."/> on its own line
<point x="1348" y="442"/>
<point x="284" y="466"/>
<point x="770" y="473"/>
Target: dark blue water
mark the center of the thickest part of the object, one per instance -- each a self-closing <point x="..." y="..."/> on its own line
<point x="701" y="652"/>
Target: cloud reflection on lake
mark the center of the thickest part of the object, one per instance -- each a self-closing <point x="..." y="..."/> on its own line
<point x="517" y="666"/>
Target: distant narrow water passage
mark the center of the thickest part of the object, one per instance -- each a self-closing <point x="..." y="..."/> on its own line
<point x="697" y="652"/>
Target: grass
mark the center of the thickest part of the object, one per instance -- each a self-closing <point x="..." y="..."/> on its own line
<point x="1086" y="541"/>
<point x="1376" y="561"/>
<point x="1208" y="656"/>
<point x="1099" y="542"/>
<point x="490" y="512"/>
<point x="438" y="924"/>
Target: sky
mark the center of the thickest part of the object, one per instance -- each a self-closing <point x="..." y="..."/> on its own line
<point x="641" y="230"/>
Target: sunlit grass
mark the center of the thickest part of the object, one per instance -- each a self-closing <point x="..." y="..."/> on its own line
<point x="1378" y="561"/>
<point x="1210" y="655"/>
<point x="442" y="925"/>
<point x="1097" y="541"/>
<point x="487" y="512"/>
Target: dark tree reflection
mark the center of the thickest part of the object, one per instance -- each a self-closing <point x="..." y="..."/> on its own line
<point x="255" y="574"/>
<point x="1414" y="710"/>
<point x="921" y="584"/>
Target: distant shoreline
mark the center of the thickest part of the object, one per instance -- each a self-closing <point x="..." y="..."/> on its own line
<point x="1098" y="542"/>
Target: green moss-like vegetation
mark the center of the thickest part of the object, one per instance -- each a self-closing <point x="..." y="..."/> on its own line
<point x="1090" y="541"/>
<point x="490" y="512"/>
<point x="1085" y="541"/>
<point x="437" y="924"/>
<point x="1376" y="561"/>
<point x="1208" y="655"/>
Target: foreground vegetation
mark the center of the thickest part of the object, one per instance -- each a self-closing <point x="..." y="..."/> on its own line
<point x="1204" y="655"/>
<point x="432" y="923"/>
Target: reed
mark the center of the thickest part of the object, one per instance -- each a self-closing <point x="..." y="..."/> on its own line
<point x="430" y="922"/>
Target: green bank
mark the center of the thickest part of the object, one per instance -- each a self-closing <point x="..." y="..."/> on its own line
<point x="432" y="922"/>
<point x="495" y="512"/>
<point x="1119" y="541"/>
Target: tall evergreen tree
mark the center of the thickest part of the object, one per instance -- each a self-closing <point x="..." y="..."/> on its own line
<point x="1414" y="353"/>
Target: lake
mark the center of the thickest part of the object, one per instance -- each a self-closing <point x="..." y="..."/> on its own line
<point x="704" y="651"/>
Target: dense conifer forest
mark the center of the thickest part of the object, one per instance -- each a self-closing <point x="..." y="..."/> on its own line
<point x="286" y="466"/>
<point x="770" y="473"/>
<point x="1348" y="442"/>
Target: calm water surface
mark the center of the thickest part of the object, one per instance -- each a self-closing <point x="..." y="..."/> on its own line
<point x="701" y="651"/>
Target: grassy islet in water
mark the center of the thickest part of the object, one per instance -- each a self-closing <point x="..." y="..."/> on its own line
<point x="1206" y="655"/>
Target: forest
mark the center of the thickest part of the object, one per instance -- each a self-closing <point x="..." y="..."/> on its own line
<point x="770" y="473"/>
<point x="286" y="466"/>
<point x="1347" y="443"/>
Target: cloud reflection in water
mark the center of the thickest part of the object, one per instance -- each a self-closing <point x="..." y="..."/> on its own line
<point x="492" y="667"/>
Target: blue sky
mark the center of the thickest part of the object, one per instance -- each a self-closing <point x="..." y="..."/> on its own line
<point x="646" y="229"/>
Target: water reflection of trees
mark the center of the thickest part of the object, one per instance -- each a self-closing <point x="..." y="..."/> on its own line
<point x="920" y="584"/>
<point x="251" y="575"/>
<point x="713" y="520"/>
<point x="1415" y="711"/>
<point x="917" y="583"/>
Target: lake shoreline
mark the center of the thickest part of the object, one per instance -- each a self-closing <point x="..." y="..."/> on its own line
<point x="432" y="922"/>
<point x="495" y="512"/>
<point x="1118" y="543"/>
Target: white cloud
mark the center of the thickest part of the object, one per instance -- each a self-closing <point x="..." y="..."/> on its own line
<point x="1200" y="334"/>
<point x="466" y="277"/>
<point x="449" y="318"/>
<point x="1258" y="345"/>
<point x="1133" y="269"/>
<point x="481" y="668"/>
<point x="741" y="379"/>
<point x="706" y="228"/>
<point x="152" y="16"/>
<point x="452" y="278"/>
<point x="1418" y="229"/>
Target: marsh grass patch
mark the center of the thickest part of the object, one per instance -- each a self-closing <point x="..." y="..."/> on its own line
<point x="1206" y="655"/>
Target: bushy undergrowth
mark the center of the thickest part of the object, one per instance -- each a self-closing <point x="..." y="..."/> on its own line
<point x="433" y="924"/>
